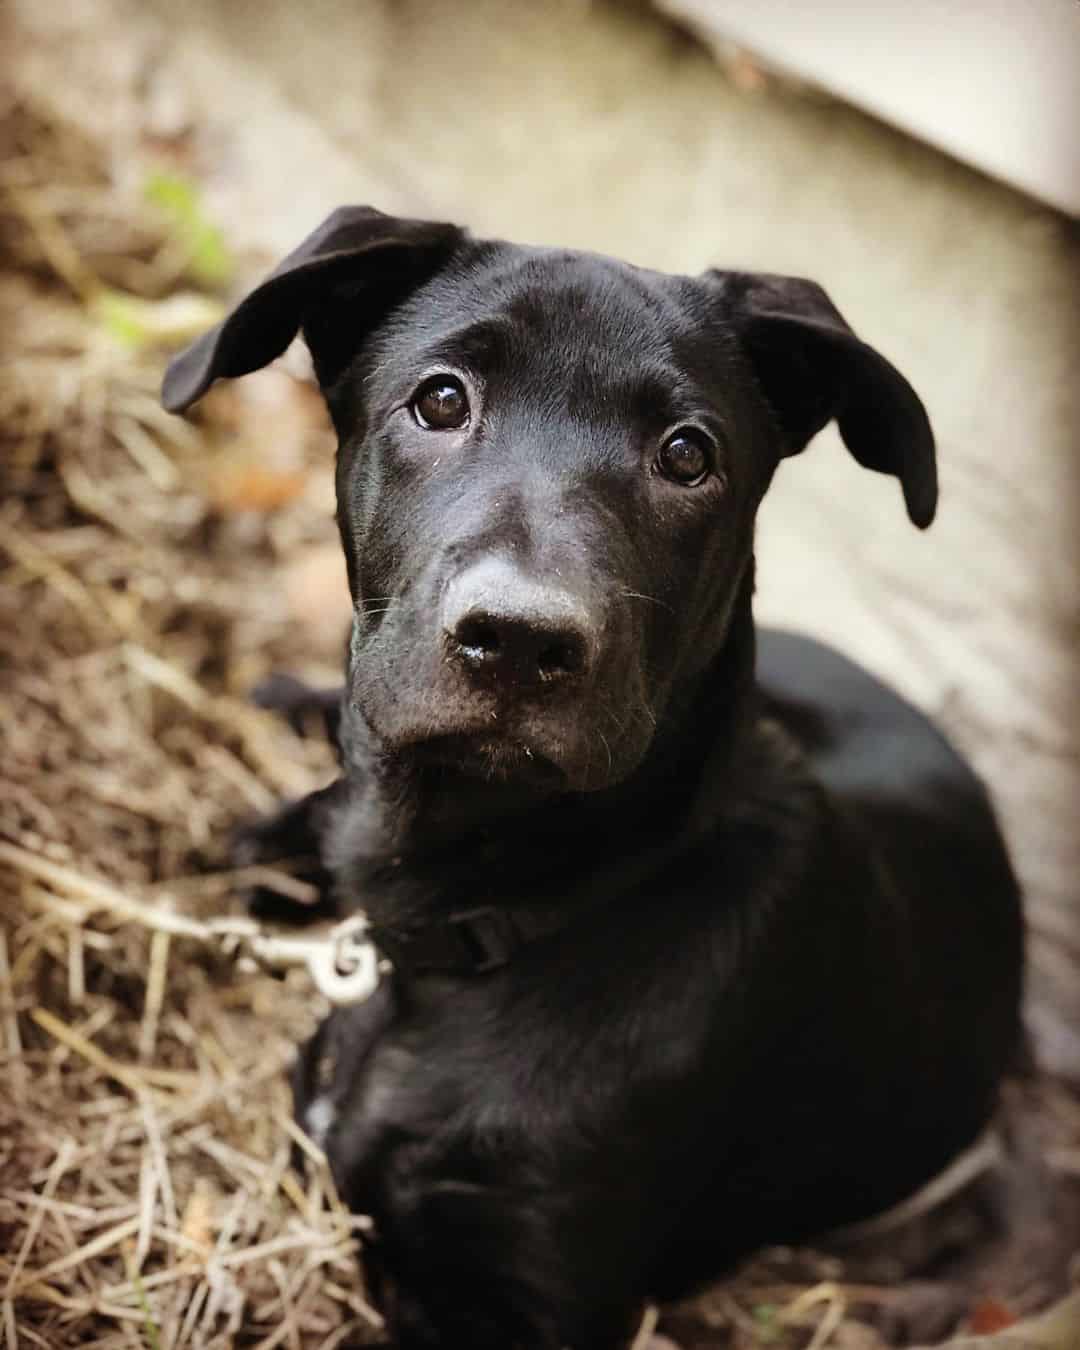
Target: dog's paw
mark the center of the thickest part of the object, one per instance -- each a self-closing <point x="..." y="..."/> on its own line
<point x="302" y="705"/>
<point x="295" y="830"/>
<point x="253" y="842"/>
<point x="284" y="694"/>
<point x="302" y="897"/>
<point x="295" y="833"/>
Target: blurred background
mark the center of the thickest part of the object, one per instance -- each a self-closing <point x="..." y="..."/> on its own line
<point x="921" y="161"/>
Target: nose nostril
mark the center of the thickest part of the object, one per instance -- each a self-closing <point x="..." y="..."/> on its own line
<point x="564" y="656"/>
<point x="478" y="636"/>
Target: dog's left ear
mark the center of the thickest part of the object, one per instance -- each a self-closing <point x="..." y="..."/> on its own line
<point x="812" y="369"/>
<point x="383" y="255"/>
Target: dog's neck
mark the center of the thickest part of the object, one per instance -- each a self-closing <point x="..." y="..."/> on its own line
<point x="423" y="840"/>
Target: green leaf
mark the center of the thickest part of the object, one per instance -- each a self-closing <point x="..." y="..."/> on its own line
<point x="180" y="201"/>
<point x="120" y="317"/>
<point x="767" y="1327"/>
<point x="137" y="323"/>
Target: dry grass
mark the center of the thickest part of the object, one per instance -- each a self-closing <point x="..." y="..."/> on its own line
<point x="147" y="1195"/>
<point x="151" y="573"/>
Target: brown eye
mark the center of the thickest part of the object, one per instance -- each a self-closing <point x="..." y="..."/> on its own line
<point x="685" y="457"/>
<point x="440" y="404"/>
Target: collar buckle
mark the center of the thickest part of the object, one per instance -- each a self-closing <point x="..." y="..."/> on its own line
<point x="487" y="936"/>
<point x="469" y="942"/>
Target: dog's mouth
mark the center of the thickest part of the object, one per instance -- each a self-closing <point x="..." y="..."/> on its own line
<point x="502" y="759"/>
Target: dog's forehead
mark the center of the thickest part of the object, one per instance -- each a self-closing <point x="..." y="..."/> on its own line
<point x="550" y="305"/>
<point x="562" y="288"/>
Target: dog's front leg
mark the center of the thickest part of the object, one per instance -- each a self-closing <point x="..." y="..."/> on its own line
<point x="516" y="1262"/>
<point x="417" y="1325"/>
<point x="465" y="1253"/>
<point x="325" y="1076"/>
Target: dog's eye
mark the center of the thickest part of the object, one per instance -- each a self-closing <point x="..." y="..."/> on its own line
<point x="440" y="404"/>
<point x="685" y="457"/>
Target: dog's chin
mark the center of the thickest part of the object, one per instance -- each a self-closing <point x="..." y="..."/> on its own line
<point x="503" y="760"/>
<point x="528" y="753"/>
<point x="522" y="764"/>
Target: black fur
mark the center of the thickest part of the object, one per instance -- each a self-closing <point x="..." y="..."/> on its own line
<point x="787" y="979"/>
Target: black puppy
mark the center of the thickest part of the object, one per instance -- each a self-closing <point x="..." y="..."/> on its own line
<point x="682" y="965"/>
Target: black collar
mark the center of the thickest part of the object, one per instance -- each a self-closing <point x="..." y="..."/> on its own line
<point x="478" y="939"/>
<point x="467" y="942"/>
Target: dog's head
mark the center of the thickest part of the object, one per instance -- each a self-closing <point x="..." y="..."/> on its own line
<point x="549" y="468"/>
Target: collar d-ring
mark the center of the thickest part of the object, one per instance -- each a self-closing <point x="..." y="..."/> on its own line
<point x="346" y="967"/>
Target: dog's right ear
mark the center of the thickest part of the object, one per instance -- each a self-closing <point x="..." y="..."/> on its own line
<point x="356" y="244"/>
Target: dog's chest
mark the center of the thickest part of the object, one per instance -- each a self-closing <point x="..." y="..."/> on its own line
<point x="480" y="1079"/>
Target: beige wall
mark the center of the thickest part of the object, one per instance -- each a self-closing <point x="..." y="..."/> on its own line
<point x="993" y="82"/>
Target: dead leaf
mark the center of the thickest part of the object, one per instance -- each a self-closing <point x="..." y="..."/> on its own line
<point x="990" y="1314"/>
<point x="254" y="487"/>
<point x="317" y="592"/>
<point x="197" y="1224"/>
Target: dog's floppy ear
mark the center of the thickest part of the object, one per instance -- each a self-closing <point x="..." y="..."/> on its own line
<point x="812" y="368"/>
<point x="354" y="243"/>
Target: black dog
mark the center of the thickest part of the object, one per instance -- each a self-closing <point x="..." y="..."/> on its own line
<point x="684" y="963"/>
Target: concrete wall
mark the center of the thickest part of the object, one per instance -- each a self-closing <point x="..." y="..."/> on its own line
<point x="988" y="81"/>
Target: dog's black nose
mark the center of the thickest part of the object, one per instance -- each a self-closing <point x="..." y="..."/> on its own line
<point x="533" y="650"/>
<point x="500" y="625"/>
